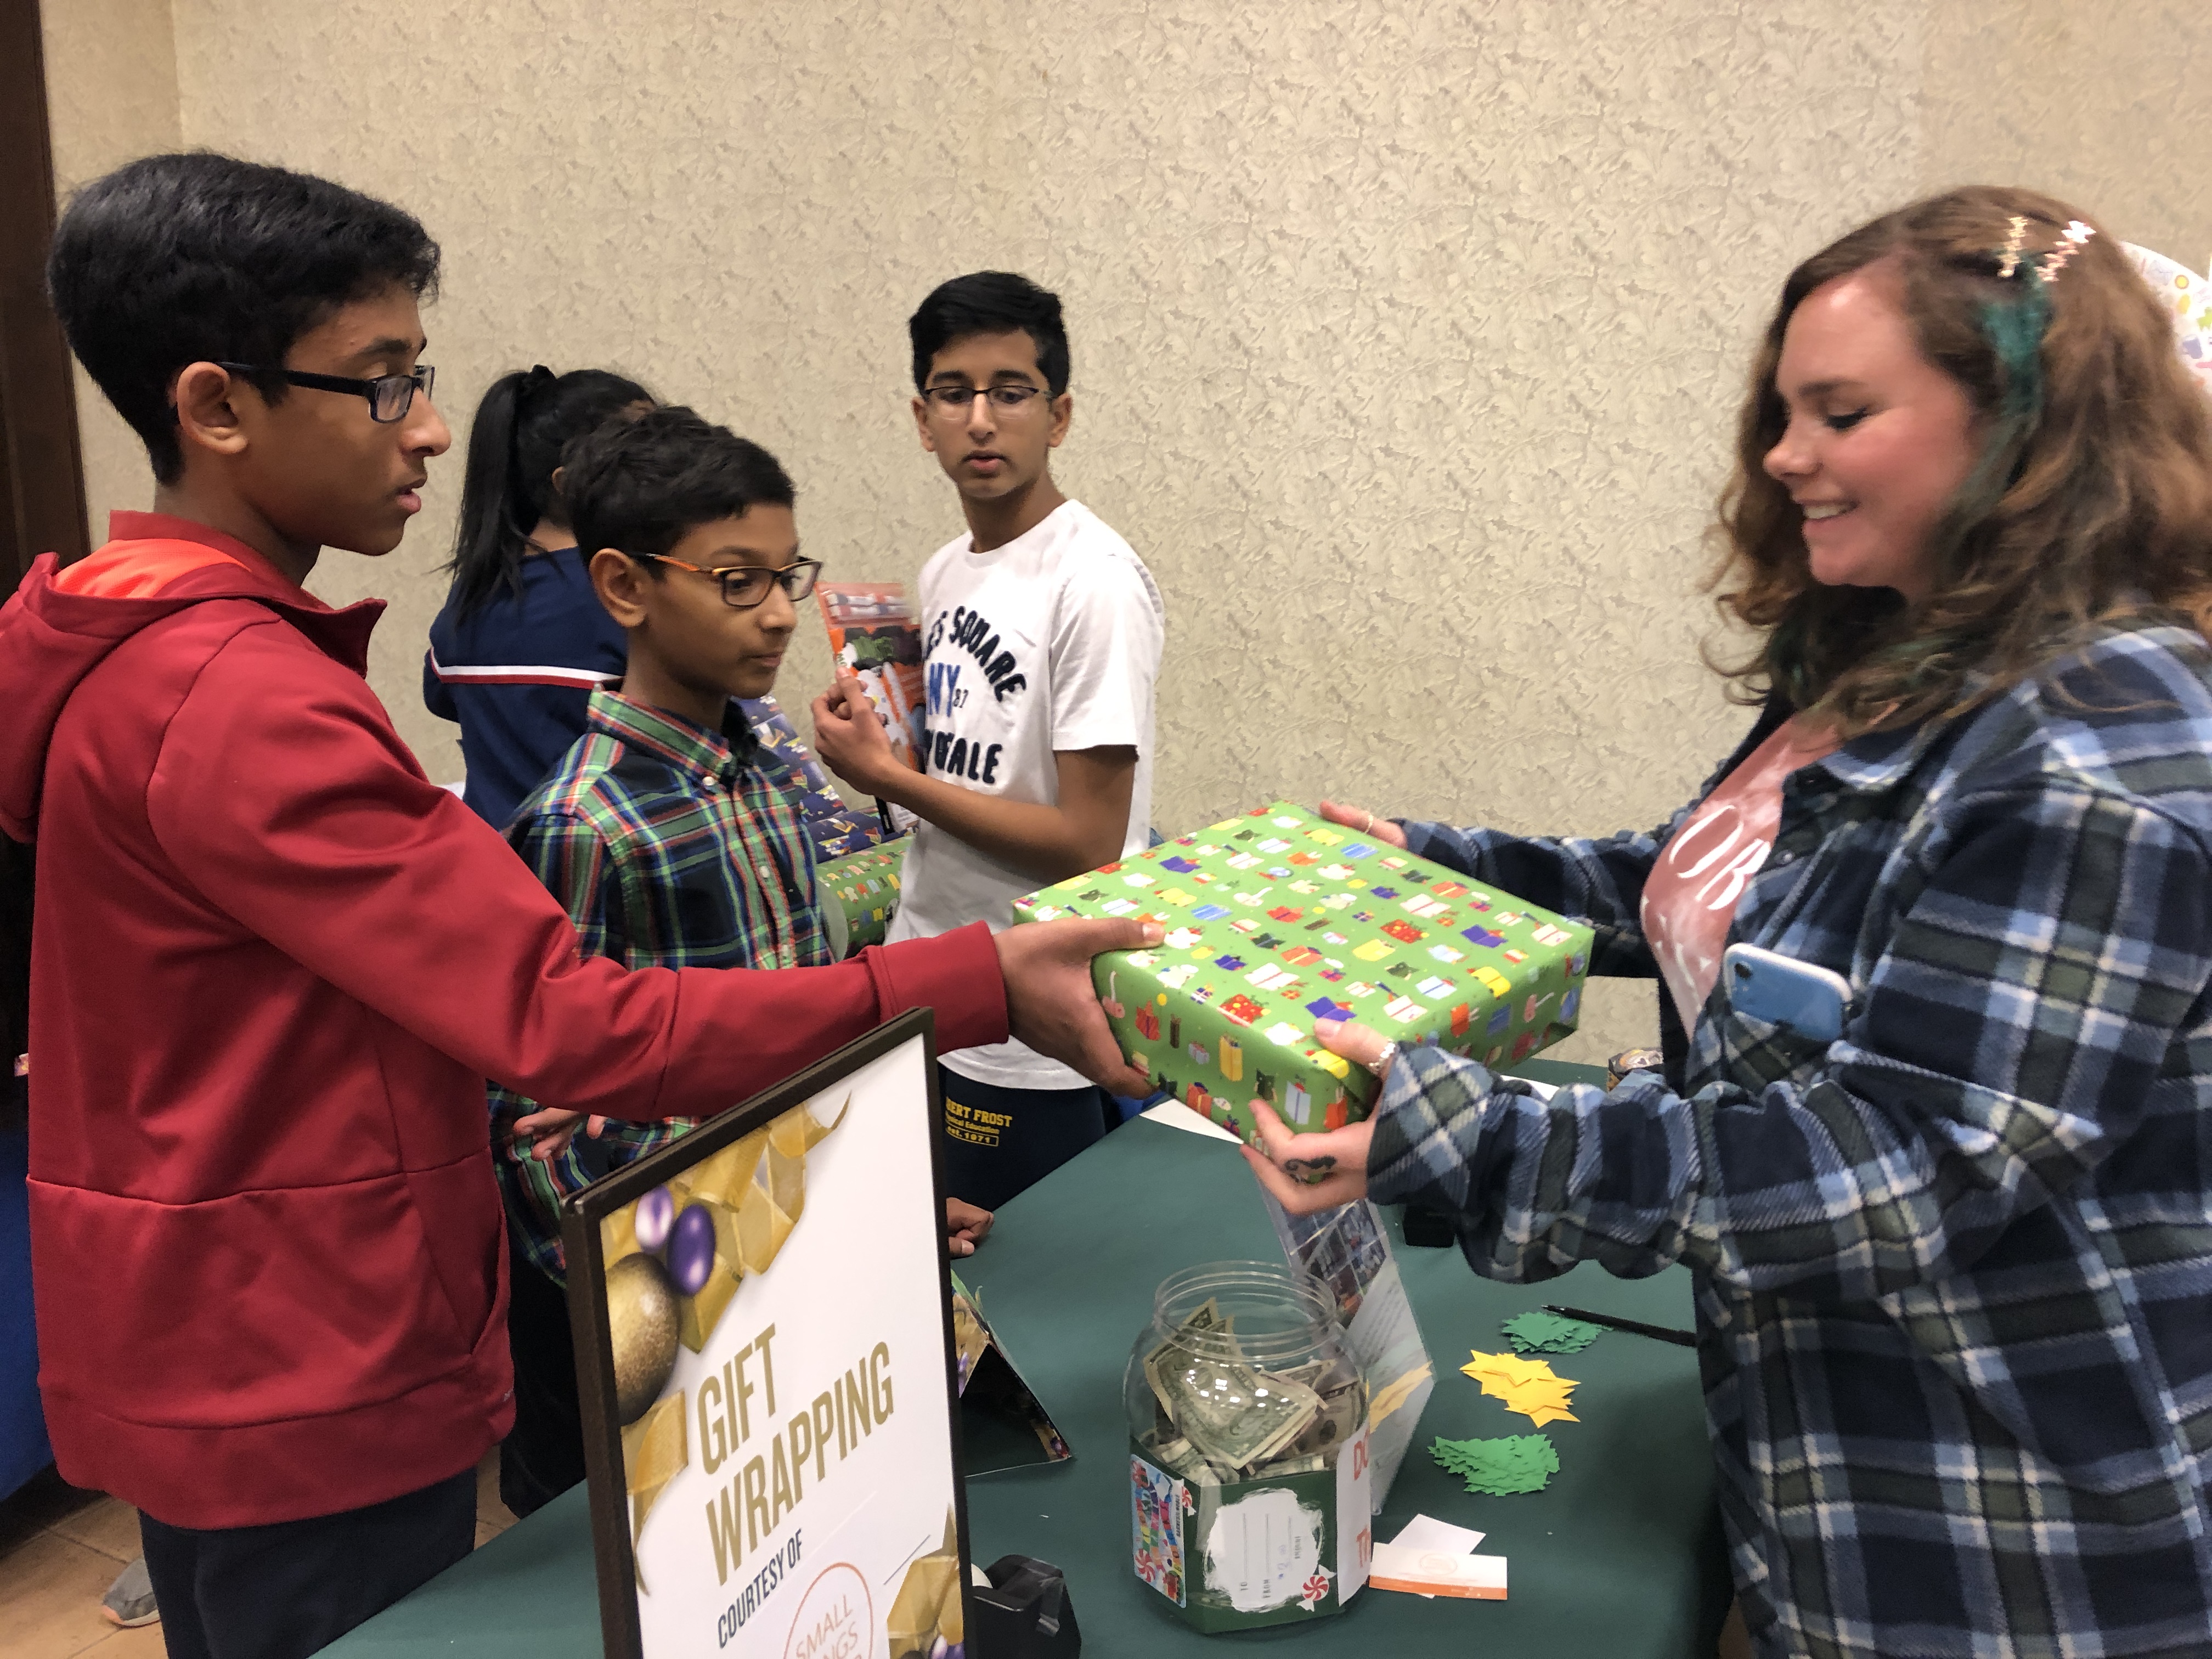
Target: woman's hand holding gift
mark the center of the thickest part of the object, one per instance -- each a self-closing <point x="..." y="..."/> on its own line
<point x="1359" y="818"/>
<point x="1310" y="1172"/>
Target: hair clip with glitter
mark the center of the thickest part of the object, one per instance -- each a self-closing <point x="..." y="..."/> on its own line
<point x="2071" y="241"/>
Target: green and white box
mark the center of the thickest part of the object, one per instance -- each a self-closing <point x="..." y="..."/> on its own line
<point x="1277" y="918"/>
<point x="1273" y="1549"/>
<point x="859" y="896"/>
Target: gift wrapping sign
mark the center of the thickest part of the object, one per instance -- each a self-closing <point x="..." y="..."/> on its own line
<point x="764" y="1360"/>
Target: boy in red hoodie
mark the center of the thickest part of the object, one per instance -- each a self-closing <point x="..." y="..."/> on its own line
<point x="273" y="963"/>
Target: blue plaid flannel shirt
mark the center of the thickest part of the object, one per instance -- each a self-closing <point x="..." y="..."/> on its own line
<point x="1953" y="1272"/>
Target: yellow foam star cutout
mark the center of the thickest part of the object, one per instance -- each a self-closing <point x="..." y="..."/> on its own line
<point x="1527" y="1386"/>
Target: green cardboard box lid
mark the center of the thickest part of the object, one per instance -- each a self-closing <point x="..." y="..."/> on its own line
<point x="1276" y="919"/>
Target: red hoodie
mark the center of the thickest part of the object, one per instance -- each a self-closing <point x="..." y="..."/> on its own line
<point x="272" y="966"/>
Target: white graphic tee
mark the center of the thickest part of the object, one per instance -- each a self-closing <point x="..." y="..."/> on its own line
<point x="1050" y="643"/>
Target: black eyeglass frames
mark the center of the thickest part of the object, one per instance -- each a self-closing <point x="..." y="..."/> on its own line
<point x="745" y="586"/>
<point x="951" y="399"/>
<point x="390" y="396"/>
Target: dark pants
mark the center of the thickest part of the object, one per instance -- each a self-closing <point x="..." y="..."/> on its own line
<point x="543" y="1454"/>
<point x="291" y="1588"/>
<point x="998" y="1142"/>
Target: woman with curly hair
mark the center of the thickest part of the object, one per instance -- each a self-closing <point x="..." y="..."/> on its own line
<point x="1953" y="1269"/>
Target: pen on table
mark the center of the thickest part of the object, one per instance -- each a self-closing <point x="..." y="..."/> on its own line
<point x="1636" y="1327"/>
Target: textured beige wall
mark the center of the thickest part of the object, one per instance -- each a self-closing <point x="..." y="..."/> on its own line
<point x="2106" y="105"/>
<point x="1406" y="336"/>
<point x="110" y="95"/>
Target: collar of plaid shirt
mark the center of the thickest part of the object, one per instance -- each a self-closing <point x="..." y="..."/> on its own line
<point x="666" y="736"/>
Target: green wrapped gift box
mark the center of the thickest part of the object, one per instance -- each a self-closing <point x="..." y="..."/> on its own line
<point x="1277" y="918"/>
<point x="859" y="896"/>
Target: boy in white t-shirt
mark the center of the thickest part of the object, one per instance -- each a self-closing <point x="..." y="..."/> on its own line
<point x="1044" y="634"/>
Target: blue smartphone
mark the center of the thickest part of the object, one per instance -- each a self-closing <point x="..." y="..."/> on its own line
<point x="1782" y="991"/>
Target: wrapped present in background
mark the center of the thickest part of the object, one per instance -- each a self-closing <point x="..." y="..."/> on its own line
<point x="836" y="828"/>
<point x="787" y="763"/>
<point x="845" y="834"/>
<point x="860" y="895"/>
<point x="1277" y="918"/>
<point x="2187" y="298"/>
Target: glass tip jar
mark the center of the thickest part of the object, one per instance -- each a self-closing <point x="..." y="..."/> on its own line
<point x="1247" y="1420"/>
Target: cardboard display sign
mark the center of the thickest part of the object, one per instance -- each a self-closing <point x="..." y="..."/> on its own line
<point x="765" y="1362"/>
<point x="2187" y="298"/>
<point x="1002" y="1426"/>
<point x="1276" y="919"/>
<point x="1347" y="1252"/>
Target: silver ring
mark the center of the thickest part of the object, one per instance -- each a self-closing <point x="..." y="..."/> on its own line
<point x="1370" y="829"/>
<point x="1381" y="1064"/>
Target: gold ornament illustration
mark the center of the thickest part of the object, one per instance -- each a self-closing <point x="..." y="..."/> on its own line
<point x="674" y="1260"/>
<point x="927" y="1608"/>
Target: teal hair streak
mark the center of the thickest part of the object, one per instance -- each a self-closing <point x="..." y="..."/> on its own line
<point x="1787" y="658"/>
<point x="2015" y="327"/>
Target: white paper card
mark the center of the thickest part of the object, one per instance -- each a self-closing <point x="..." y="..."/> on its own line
<point x="1178" y="1116"/>
<point x="1263" y="1549"/>
<point x="1438" y="1572"/>
<point x="1425" y="1532"/>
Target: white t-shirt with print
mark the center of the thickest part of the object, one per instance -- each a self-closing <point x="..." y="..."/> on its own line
<point x="1050" y="643"/>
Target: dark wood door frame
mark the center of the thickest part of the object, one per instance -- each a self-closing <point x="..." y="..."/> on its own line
<point x="42" y="466"/>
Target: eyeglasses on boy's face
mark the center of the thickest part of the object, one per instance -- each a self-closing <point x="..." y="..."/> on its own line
<point x="745" y="586"/>
<point x="955" y="399"/>
<point x="390" y="396"/>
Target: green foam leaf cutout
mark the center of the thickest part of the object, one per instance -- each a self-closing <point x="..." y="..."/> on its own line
<point x="1549" y="1333"/>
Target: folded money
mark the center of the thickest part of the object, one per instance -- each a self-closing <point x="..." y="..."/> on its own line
<point x="1228" y="1414"/>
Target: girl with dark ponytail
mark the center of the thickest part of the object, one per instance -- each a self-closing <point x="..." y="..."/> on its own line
<point x="522" y="641"/>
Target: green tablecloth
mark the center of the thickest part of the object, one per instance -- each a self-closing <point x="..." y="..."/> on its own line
<point x="1621" y="1558"/>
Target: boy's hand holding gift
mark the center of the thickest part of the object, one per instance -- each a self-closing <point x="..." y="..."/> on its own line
<point x="1083" y="829"/>
<point x="850" y="737"/>
<point x="1050" y="1002"/>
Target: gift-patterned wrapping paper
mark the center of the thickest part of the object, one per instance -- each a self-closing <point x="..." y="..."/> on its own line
<point x="1277" y="918"/>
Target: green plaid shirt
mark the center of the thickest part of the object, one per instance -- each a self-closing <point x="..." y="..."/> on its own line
<point x="669" y="848"/>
